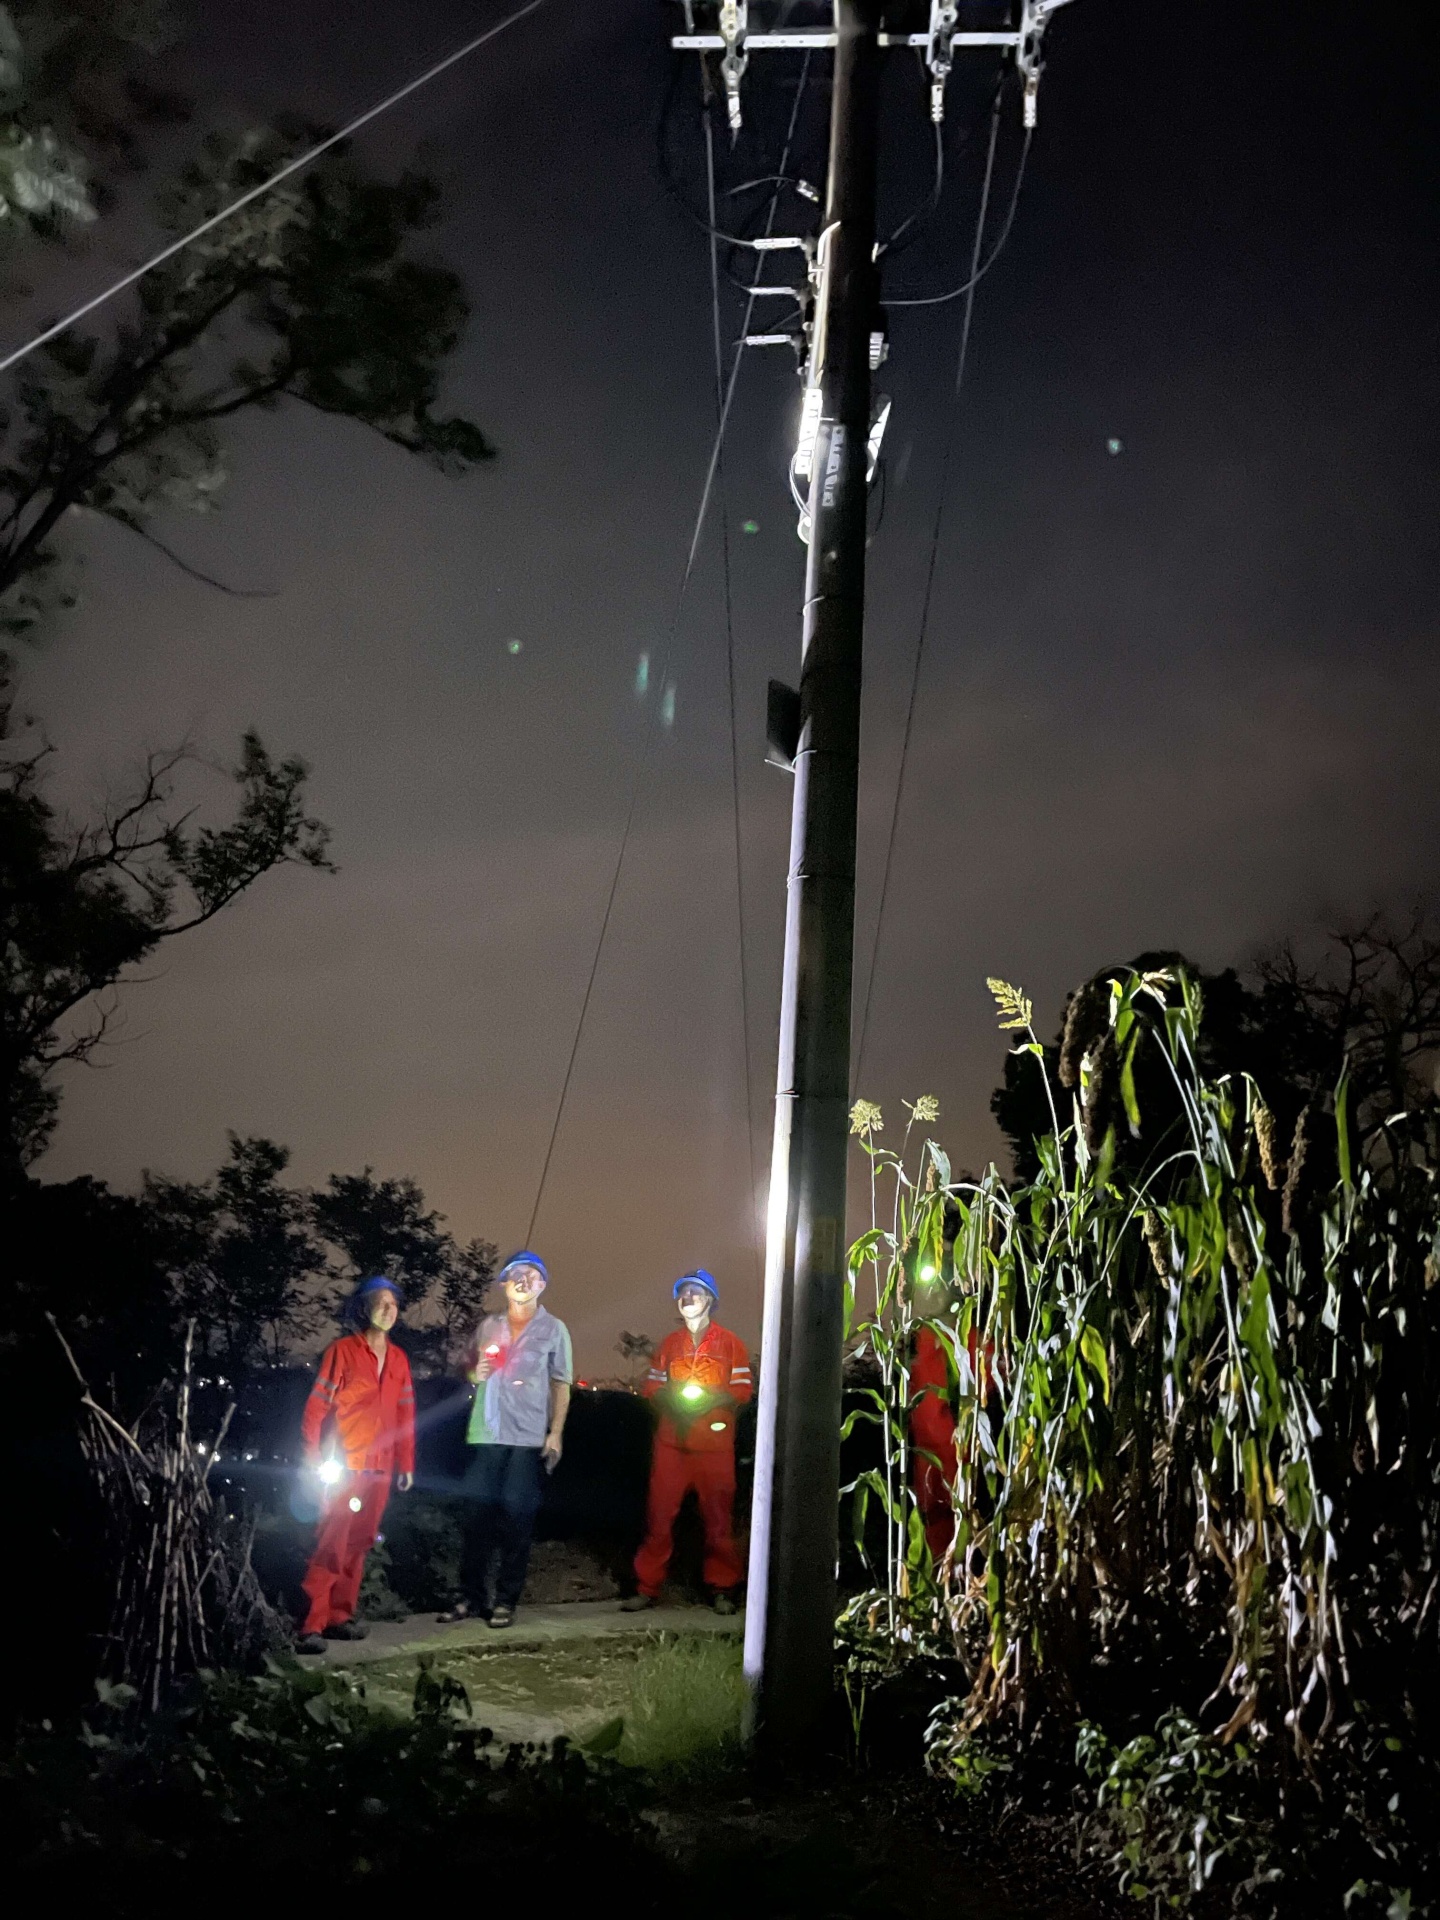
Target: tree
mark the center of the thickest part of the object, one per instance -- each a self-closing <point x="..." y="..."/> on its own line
<point x="245" y="1256"/>
<point x="464" y="1283"/>
<point x="384" y="1226"/>
<point x="1370" y="1008"/>
<point x="635" y="1349"/>
<point x="82" y="904"/>
<point x="312" y="293"/>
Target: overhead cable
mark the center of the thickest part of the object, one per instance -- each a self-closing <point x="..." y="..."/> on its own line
<point x="267" y="186"/>
<point x="642" y="766"/>
<point x="978" y="269"/>
<point x="962" y="354"/>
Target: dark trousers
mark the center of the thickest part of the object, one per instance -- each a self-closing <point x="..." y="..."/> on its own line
<point x="504" y="1486"/>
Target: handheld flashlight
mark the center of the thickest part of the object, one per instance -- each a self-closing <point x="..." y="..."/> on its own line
<point x="329" y="1472"/>
<point x="492" y="1353"/>
<point x="692" y="1390"/>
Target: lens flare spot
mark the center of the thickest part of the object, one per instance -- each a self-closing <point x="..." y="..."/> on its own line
<point x="355" y="1503"/>
<point x="514" y="646"/>
<point x="1112" y="445"/>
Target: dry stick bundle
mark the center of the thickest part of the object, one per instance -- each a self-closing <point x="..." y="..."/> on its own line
<point x="184" y="1593"/>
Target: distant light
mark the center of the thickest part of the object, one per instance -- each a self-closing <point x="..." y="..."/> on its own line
<point x="750" y="526"/>
<point x="1112" y="445"/>
<point x="356" y="1503"/>
<point x="514" y="646"/>
<point x="329" y="1471"/>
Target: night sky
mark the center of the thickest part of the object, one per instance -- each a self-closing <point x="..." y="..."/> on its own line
<point x="1183" y="695"/>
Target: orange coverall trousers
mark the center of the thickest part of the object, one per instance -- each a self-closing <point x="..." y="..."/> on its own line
<point x="673" y="1473"/>
<point x="346" y="1535"/>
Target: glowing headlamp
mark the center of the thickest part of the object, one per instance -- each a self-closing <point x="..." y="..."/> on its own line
<point x="329" y="1472"/>
<point x="692" y="1390"/>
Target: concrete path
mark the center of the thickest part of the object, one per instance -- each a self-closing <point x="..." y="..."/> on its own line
<point x="534" y="1627"/>
<point x="509" y="1719"/>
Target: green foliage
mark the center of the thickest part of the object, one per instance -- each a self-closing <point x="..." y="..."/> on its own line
<point x="687" y="1701"/>
<point x="1172" y="1806"/>
<point x="1198" y="1436"/>
<point x="294" y="1779"/>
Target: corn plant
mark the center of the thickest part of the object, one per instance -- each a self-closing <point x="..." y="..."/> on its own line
<point x="1179" y="1373"/>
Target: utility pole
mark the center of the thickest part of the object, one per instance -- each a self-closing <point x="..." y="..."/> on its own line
<point x="790" y="1620"/>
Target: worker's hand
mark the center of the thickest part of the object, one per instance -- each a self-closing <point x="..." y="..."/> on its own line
<point x="551" y="1451"/>
<point x="482" y="1370"/>
<point x="404" y="1481"/>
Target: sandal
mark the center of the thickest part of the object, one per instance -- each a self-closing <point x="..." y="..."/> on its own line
<point x="452" y="1616"/>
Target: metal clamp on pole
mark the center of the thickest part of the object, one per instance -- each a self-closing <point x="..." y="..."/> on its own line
<point x="940" y="53"/>
<point x="1034" y="18"/>
<point x="735" y="59"/>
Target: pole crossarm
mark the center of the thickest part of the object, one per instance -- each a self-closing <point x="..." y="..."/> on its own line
<point x="806" y="37"/>
<point x="940" y="42"/>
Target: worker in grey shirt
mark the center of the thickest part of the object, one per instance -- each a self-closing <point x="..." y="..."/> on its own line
<point x="521" y="1366"/>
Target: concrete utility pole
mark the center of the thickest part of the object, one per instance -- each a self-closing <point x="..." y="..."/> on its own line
<point x="790" y="1622"/>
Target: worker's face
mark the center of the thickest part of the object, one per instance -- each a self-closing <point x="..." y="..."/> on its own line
<point x="384" y="1310"/>
<point x="694" y="1303"/>
<point x="523" y="1286"/>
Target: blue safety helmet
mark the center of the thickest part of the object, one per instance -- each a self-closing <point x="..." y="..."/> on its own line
<point x="356" y="1309"/>
<point x="698" y="1277"/>
<point x="525" y="1259"/>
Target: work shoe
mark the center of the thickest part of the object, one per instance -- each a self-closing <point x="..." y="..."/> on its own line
<point x="347" y="1630"/>
<point x="310" y="1643"/>
<point x="724" y="1603"/>
<point x="454" y="1615"/>
<point x="637" y="1603"/>
<point x="502" y="1616"/>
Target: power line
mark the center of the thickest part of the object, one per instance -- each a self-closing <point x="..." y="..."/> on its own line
<point x="978" y="273"/>
<point x="711" y="472"/>
<point x="960" y="359"/>
<point x="266" y="186"/>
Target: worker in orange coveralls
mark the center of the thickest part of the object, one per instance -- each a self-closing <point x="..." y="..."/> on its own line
<point x="934" y="1461"/>
<point x="932" y="1433"/>
<point x="364" y="1392"/>
<point x="700" y="1375"/>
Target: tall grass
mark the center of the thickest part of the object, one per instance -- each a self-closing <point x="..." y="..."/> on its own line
<point x="1198" y="1400"/>
<point x="685" y="1703"/>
